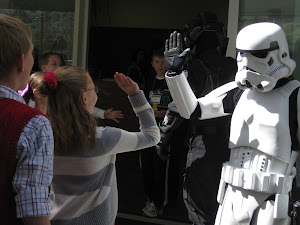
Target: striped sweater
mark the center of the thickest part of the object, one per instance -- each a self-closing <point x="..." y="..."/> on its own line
<point x="84" y="184"/>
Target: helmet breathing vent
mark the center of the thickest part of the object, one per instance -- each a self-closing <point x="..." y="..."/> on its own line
<point x="270" y="62"/>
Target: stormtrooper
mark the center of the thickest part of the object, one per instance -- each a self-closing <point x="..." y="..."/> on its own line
<point x="264" y="133"/>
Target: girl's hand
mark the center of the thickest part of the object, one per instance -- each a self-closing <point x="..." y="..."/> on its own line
<point x="113" y="114"/>
<point x="127" y="84"/>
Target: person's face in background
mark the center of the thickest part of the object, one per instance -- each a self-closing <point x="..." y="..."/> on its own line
<point x="140" y="57"/>
<point x="159" y="66"/>
<point x="53" y="63"/>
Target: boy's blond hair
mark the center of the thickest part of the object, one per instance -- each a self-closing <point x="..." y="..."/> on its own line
<point x="15" y="39"/>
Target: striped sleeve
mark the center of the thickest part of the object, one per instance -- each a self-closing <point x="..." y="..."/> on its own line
<point x="116" y="140"/>
<point x="98" y="113"/>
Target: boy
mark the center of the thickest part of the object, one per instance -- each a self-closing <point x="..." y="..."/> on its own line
<point x="50" y="61"/>
<point x="26" y="139"/>
<point x="159" y="188"/>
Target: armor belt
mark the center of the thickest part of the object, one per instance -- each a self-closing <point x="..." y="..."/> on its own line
<point x="257" y="181"/>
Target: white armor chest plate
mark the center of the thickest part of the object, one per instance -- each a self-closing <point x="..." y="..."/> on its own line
<point x="261" y="121"/>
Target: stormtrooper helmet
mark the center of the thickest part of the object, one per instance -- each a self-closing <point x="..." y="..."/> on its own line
<point x="263" y="56"/>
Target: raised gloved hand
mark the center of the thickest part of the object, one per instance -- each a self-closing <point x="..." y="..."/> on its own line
<point x="175" y="57"/>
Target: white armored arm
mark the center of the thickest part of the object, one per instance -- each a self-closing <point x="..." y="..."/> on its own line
<point x="186" y="102"/>
<point x="182" y="94"/>
<point x="212" y="104"/>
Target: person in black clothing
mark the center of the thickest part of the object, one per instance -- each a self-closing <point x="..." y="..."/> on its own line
<point x="153" y="168"/>
<point x="156" y="88"/>
<point x="159" y="173"/>
<point x="208" y="68"/>
<point x="139" y="68"/>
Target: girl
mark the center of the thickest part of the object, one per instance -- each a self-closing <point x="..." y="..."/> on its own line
<point x="33" y="97"/>
<point x="84" y="186"/>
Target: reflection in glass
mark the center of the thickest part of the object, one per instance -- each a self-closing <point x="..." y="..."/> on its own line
<point x="51" y="31"/>
<point x="284" y="13"/>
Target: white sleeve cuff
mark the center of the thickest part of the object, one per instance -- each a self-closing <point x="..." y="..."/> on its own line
<point x="98" y="113"/>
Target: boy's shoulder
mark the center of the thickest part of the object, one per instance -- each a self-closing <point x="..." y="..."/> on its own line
<point x="15" y="108"/>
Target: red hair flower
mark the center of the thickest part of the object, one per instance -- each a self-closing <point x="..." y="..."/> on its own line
<point x="51" y="79"/>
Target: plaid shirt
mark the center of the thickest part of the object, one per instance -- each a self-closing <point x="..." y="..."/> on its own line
<point x="35" y="163"/>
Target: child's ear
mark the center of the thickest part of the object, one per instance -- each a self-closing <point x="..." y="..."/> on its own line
<point x="35" y="93"/>
<point x="43" y="67"/>
<point x="20" y="63"/>
<point x="83" y="97"/>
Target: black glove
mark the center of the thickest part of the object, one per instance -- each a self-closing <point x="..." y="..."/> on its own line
<point x="163" y="149"/>
<point x="175" y="58"/>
